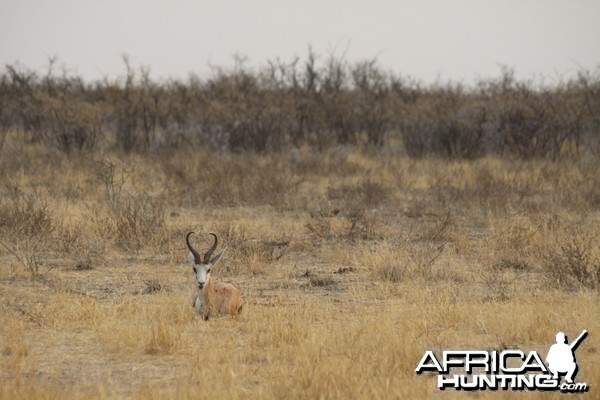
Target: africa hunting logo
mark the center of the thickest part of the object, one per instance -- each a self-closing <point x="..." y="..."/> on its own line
<point x="508" y="369"/>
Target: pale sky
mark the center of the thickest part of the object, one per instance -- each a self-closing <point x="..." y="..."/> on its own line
<point x="430" y="40"/>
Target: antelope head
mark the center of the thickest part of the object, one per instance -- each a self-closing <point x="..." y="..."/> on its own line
<point x="202" y="265"/>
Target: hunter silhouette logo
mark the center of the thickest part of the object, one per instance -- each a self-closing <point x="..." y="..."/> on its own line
<point x="510" y="369"/>
<point x="561" y="356"/>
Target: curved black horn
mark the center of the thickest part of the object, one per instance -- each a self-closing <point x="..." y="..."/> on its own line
<point x="197" y="258"/>
<point x="211" y="250"/>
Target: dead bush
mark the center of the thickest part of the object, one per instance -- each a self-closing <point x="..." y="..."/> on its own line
<point x="25" y="215"/>
<point x="132" y="222"/>
<point x="248" y="253"/>
<point x="112" y="175"/>
<point x="364" y="225"/>
<point x="424" y="256"/>
<point x="436" y="228"/>
<point x="73" y="239"/>
<point x="29" y="252"/>
<point x="28" y="224"/>
<point x="574" y="266"/>
<point x="321" y="227"/>
<point x="499" y="285"/>
<point x="405" y="261"/>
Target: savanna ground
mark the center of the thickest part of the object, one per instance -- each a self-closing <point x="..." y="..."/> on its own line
<point x="352" y="264"/>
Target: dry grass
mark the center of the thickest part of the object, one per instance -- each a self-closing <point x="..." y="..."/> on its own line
<point x="351" y="267"/>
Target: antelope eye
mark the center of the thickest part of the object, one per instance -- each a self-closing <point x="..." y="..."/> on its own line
<point x="208" y="271"/>
<point x="195" y="270"/>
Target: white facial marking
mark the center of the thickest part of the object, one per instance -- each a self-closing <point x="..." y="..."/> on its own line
<point x="201" y="274"/>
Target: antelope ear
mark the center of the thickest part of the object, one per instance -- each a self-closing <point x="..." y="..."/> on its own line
<point x="217" y="258"/>
<point x="191" y="259"/>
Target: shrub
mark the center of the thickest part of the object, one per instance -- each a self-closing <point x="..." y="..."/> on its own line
<point x="28" y="223"/>
<point x="25" y="215"/>
<point x="132" y="222"/>
<point x="319" y="104"/>
<point x="574" y="266"/>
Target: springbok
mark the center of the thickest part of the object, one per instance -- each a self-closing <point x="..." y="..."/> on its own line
<point x="212" y="298"/>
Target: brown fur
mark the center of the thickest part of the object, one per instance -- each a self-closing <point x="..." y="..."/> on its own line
<point x="220" y="299"/>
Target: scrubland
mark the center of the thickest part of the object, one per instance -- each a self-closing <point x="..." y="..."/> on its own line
<point x="367" y="219"/>
<point x="352" y="266"/>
